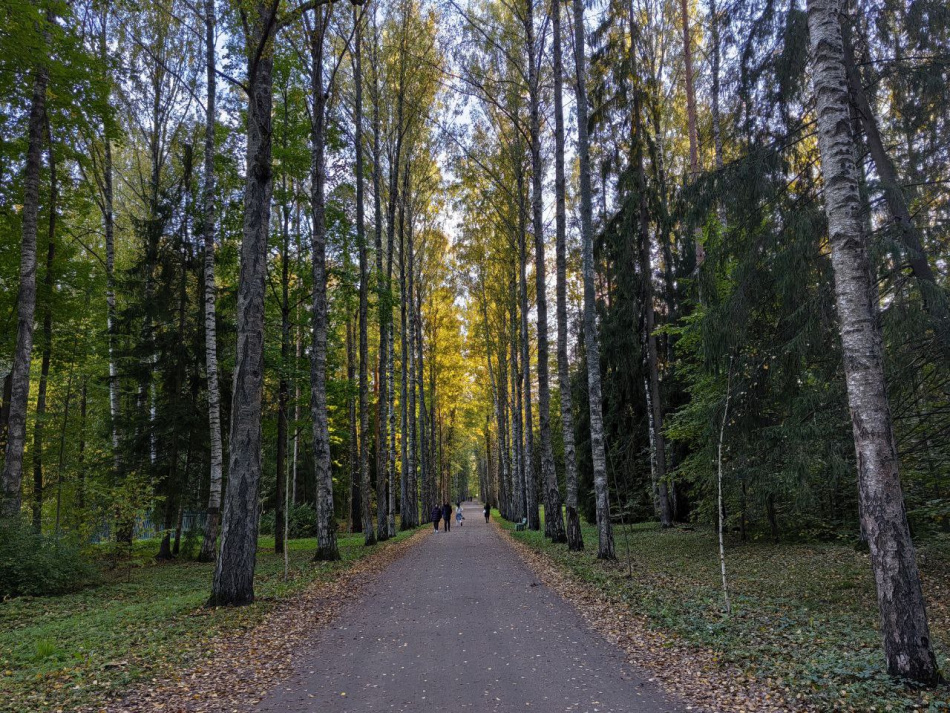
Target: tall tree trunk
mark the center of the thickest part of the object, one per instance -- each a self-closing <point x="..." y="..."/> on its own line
<point x="518" y="494"/>
<point x="662" y="501"/>
<point x="283" y="387"/>
<point x="415" y="435"/>
<point x="81" y="458"/>
<point x="385" y="297"/>
<point x="425" y="466"/>
<point x="385" y="456"/>
<point x="575" y="540"/>
<point x="26" y="298"/>
<point x="234" y="570"/>
<point x="369" y="537"/>
<point x="108" y="225"/>
<point x="356" y="497"/>
<point x="212" y="524"/>
<point x="530" y="485"/>
<point x="907" y="642"/>
<point x="715" y="60"/>
<point x="690" y="111"/>
<point x="605" y="548"/>
<point x="405" y="388"/>
<point x="407" y="381"/>
<point x="47" y="342"/>
<point x="5" y="410"/>
<point x="553" y="503"/>
<point x="298" y="355"/>
<point x="326" y="525"/>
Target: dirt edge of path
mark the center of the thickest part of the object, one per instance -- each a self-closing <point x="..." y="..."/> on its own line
<point x="244" y="665"/>
<point x="691" y="673"/>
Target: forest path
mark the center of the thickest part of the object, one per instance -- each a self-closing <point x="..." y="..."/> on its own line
<point x="460" y="622"/>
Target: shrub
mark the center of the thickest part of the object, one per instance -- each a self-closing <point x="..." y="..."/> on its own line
<point x="302" y="522"/>
<point x="38" y="565"/>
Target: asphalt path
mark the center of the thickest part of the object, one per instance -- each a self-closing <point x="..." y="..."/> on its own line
<point x="460" y="623"/>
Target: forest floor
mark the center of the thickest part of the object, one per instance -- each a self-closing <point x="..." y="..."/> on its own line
<point x="802" y="634"/>
<point x="146" y="622"/>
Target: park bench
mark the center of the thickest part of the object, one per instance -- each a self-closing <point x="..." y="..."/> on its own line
<point x="523" y="525"/>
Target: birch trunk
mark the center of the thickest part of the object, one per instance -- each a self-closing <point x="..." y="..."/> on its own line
<point x="12" y="477"/>
<point x="690" y="112"/>
<point x="605" y="548"/>
<point x="553" y="503"/>
<point x="415" y="435"/>
<point x="234" y="570"/>
<point x="425" y="467"/>
<point x="907" y="643"/>
<point x="406" y="385"/>
<point x="575" y="540"/>
<point x="530" y="486"/>
<point x="283" y="387"/>
<point x="326" y="525"/>
<point x="407" y="393"/>
<point x="108" y="226"/>
<point x="369" y="537"/>
<point x="355" y="506"/>
<point x="518" y="503"/>
<point x="212" y="524"/>
<point x="386" y="337"/>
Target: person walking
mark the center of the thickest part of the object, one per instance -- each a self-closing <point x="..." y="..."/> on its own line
<point x="447" y="516"/>
<point x="459" y="517"/>
<point x="487" y="512"/>
<point x="436" y="515"/>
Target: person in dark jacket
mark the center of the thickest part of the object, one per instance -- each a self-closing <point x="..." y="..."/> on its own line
<point x="447" y="516"/>
<point x="436" y="515"/>
<point x="487" y="512"/>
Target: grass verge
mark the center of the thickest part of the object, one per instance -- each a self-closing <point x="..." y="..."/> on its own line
<point x="804" y="616"/>
<point x="61" y="653"/>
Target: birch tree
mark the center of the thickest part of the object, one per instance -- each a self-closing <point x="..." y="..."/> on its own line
<point x="903" y="617"/>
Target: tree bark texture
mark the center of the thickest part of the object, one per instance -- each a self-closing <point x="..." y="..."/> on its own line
<point x="12" y="477"/>
<point x="575" y="540"/>
<point x="208" y="546"/>
<point x="38" y="426"/>
<point x="553" y="503"/>
<point x="907" y="643"/>
<point x="327" y="548"/>
<point x="605" y="548"/>
<point x="234" y="570"/>
<point x="369" y="537"/>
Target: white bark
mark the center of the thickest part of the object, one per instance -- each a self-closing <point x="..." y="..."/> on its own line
<point x="211" y="337"/>
<point x="907" y="643"/>
<point x="598" y="454"/>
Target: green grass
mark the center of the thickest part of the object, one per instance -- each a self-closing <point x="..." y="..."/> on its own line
<point x="60" y="652"/>
<point x="804" y="615"/>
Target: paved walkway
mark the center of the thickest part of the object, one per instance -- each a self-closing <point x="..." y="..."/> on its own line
<point x="459" y="623"/>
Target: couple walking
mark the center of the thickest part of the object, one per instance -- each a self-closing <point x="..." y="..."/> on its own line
<point x="445" y="513"/>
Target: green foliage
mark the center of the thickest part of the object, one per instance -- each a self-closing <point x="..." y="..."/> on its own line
<point x="40" y="566"/>
<point x="804" y="615"/>
<point x="301" y="522"/>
